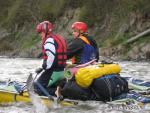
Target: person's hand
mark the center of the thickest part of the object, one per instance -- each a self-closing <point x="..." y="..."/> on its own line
<point x="39" y="70"/>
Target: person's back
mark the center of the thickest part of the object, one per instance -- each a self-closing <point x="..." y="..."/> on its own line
<point x="83" y="48"/>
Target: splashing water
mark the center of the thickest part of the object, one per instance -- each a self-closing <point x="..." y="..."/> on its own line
<point x="19" y="69"/>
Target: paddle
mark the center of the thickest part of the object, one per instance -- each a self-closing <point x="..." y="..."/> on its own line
<point x="30" y="87"/>
<point x="29" y="83"/>
<point x="44" y="91"/>
<point x="35" y="99"/>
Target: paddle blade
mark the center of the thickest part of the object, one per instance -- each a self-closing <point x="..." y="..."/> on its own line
<point x="30" y="83"/>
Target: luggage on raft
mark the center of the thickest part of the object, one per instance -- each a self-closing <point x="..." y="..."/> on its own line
<point x="96" y="82"/>
<point x="85" y="76"/>
<point x="72" y="90"/>
<point x="109" y="86"/>
<point x="102" y="89"/>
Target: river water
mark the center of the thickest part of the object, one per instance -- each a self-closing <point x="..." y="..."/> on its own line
<point x="19" y="69"/>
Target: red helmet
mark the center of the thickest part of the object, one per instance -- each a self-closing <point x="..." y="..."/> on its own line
<point x="45" y="27"/>
<point x="80" y="26"/>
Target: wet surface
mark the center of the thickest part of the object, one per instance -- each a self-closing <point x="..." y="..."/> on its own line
<point x="19" y="69"/>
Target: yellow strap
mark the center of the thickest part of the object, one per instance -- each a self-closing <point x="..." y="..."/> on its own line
<point x="85" y="39"/>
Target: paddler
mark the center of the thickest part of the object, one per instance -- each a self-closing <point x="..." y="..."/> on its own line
<point x="54" y="56"/>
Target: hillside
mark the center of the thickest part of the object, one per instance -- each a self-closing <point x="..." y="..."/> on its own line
<point x="114" y="24"/>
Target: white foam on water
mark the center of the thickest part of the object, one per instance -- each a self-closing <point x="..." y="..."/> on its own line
<point x="39" y="107"/>
<point x="19" y="69"/>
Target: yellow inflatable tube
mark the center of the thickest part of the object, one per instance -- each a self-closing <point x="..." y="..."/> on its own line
<point x="85" y="76"/>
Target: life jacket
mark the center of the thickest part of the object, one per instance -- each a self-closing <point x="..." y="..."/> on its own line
<point x="61" y="57"/>
<point x="89" y="52"/>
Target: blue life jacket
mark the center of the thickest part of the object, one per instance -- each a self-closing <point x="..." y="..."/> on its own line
<point x="89" y="52"/>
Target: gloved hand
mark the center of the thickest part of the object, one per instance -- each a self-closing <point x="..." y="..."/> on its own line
<point x="39" y="70"/>
<point x="60" y="98"/>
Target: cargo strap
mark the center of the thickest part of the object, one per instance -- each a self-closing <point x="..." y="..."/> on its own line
<point x="109" y="88"/>
<point x="97" y="95"/>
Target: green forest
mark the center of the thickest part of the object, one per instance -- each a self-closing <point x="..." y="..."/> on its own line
<point x="120" y="27"/>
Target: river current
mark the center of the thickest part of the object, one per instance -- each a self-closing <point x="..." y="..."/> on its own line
<point x="18" y="69"/>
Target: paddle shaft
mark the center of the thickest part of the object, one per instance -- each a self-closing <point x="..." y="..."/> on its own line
<point x="39" y="85"/>
<point x="30" y="88"/>
<point x="37" y="75"/>
<point x="43" y="90"/>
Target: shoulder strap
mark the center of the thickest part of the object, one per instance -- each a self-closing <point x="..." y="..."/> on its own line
<point x="84" y="39"/>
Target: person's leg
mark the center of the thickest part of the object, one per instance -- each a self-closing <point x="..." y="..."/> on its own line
<point x="58" y="91"/>
<point x="60" y="85"/>
<point x="44" y="78"/>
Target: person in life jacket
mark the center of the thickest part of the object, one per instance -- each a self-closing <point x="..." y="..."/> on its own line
<point x="82" y="48"/>
<point x="54" y="56"/>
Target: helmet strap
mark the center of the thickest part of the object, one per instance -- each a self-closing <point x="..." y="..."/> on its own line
<point x="46" y="30"/>
<point x="80" y="33"/>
